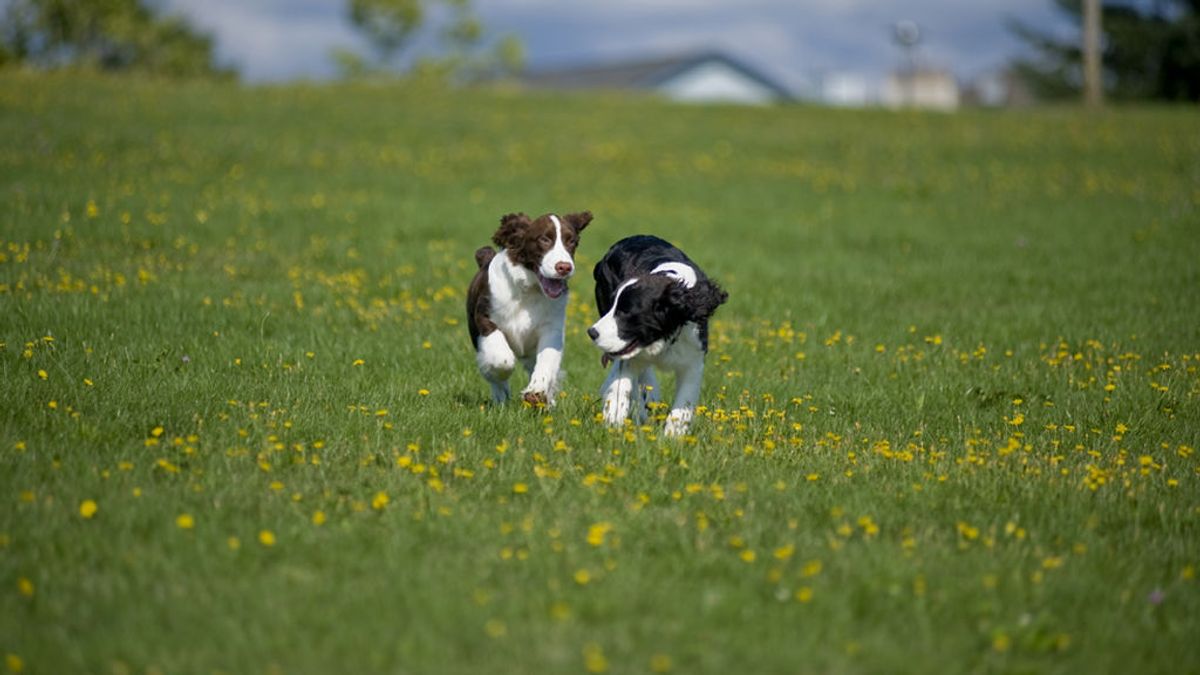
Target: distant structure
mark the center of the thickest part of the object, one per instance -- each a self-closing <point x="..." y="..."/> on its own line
<point x="1000" y="88"/>
<point x="921" y="88"/>
<point x="845" y="90"/>
<point x="705" y="77"/>
<point x="914" y="85"/>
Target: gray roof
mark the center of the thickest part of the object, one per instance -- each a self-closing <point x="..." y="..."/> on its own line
<point x="646" y="74"/>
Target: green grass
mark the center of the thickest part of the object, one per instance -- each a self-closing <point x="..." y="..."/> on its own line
<point x="952" y="403"/>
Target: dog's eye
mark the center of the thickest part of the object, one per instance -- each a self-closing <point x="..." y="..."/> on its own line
<point x="544" y="240"/>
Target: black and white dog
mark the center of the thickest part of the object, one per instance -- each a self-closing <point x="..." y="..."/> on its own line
<point x="517" y="302"/>
<point x="654" y="305"/>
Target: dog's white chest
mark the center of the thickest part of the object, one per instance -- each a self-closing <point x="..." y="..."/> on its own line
<point x="520" y="310"/>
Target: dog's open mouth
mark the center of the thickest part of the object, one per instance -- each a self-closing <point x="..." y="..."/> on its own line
<point x="609" y="357"/>
<point x="552" y="287"/>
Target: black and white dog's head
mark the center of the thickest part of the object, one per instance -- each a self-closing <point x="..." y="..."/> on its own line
<point x="647" y="291"/>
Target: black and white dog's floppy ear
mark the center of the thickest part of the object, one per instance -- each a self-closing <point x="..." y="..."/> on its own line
<point x="511" y="226"/>
<point x="700" y="301"/>
<point x="579" y="220"/>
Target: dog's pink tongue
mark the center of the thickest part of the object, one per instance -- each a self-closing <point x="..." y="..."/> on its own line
<point x="552" y="287"/>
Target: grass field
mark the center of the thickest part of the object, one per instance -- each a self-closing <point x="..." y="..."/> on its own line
<point x="951" y="415"/>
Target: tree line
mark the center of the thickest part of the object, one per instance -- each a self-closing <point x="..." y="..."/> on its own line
<point x="133" y="36"/>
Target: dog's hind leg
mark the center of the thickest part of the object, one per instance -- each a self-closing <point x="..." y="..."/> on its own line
<point x="648" y="395"/>
<point x="496" y="363"/>
<point x="687" y="394"/>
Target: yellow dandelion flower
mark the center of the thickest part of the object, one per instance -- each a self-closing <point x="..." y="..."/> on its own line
<point x="748" y="555"/>
<point x="43" y="375"/>
<point x="660" y="663"/>
<point x="266" y="538"/>
<point x="423" y="392"/>
<point x="593" y="659"/>
<point x="597" y="533"/>
<point x="185" y="521"/>
<point x="495" y="628"/>
<point x="14" y="663"/>
<point x="785" y="552"/>
<point x="520" y="488"/>
<point x="804" y="594"/>
<point x="318" y="518"/>
<point x="88" y="508"/>
<point x="380" y="501"/>
<point x="25" y="587"/>
<point x="233" y="543"/>
<point x="1001" y="642"/>
<point x="582" y="577"/>
<point x="357" y="363"/>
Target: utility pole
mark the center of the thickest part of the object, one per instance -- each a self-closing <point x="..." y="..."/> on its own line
<point x="1093" y="90"/>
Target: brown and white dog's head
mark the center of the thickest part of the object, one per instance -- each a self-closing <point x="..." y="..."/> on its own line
<point x="544" y="246"/>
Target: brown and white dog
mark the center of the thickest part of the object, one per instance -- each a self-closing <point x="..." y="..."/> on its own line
<point x="517" y="302"/>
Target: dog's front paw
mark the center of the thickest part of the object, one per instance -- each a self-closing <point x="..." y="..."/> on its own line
<point x="536" y="398"/>
<point x="677" y="423"/>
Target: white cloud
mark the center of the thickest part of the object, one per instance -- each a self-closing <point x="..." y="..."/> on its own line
<point x="273" y="39"/>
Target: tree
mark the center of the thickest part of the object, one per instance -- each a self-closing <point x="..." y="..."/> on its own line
<point x="1150" y="50"/>
<point x="462" y="50"/>
<point x="104" y="35"/>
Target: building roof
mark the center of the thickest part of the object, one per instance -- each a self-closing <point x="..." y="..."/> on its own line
<point x="644" y="74"/>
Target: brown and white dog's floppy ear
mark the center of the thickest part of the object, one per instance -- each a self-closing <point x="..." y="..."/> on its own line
<point x="579" y="220"/>
<point x="511" y="226"/>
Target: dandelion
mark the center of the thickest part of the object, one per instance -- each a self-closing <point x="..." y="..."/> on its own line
<point x="43" y="375"/>
<point x="804" y="594"/>
<point x="582" y="577"/>
<point x="593" y="658"/>
<point x="357" y="363"/>
<point x="266" y="538"/>
<point x="1001" y="642"/>
<point x="660" y="663"/>
<point x="88" y="508"/>
<point x="495" y="628"/>
<point x="185" y="521"/>
<point x="423" y="392"/>
<point x="25" y="587"/>
<point x="14" y="663"/>
<point x="520" y="488"/>
<point x="380" y="501"/>
<point x="597" y="533"/>
<point x="318" y="518"/>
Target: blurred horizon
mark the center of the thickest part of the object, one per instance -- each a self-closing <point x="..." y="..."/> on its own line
<point x="792" y="41"/>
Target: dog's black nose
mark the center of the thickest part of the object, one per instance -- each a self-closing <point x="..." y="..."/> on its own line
<point x="593" y="333"/>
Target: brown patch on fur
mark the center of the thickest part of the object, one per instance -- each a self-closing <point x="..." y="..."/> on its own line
<point x="479" y="321"/>
<point x="526" y="241"/>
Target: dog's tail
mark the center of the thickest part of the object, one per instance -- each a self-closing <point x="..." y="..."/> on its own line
<point x="484" y="255"/>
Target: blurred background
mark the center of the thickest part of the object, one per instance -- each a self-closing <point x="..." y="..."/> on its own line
<point x="940" y="54"/>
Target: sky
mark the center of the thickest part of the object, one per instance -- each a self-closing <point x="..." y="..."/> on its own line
<point x="792" y="41"/>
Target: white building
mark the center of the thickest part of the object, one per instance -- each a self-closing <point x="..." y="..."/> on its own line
<point x="708" y="77"/>
<point x="921" y="88"/>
